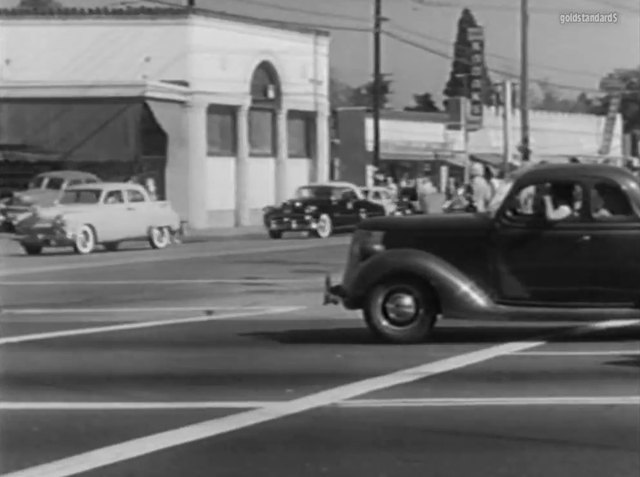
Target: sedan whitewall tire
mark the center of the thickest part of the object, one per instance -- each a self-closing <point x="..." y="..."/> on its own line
<point x="85" y="241"/>
<point x="159" y="237"/>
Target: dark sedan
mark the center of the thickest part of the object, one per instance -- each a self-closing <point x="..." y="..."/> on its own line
<point x="321" y="209"/>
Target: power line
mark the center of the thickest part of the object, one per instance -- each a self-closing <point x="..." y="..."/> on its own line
<point x="314" y="25"/>
<point x="496" y="55"/>
<point x="484" y="6"/>
<point x="447" y="56"/>
<point x="285" y="8"/>
<point x="610" y="4"/>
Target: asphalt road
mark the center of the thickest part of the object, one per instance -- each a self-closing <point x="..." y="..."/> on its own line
<point x="216" y="359"/>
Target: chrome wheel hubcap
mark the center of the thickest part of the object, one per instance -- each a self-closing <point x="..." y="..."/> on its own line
<point x="401" y="308"/>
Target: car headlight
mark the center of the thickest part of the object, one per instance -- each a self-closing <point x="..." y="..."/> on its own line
<point x="59" y="221"/>
<point x="310" y="209"/>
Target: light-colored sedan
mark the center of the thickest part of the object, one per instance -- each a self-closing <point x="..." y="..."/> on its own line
<point x="106" y="214"/>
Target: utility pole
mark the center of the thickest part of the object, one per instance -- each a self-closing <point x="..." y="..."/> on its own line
<point x="506" y="125"/>
<point x="377" y="27"/>
<point x="524" y="79"/>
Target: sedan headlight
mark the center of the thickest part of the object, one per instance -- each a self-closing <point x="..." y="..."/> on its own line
<point x="59" y="222"/>
<point x="310" y="209"/>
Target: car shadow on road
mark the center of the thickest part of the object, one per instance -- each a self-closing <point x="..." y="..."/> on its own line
<point x="627" y="361"/>
<point x="445" y="335"/>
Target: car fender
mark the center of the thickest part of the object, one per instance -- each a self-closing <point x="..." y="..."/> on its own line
<point x="458" y="295"/>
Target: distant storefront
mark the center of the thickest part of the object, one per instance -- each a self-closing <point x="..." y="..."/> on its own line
<point x="411" y="145"/>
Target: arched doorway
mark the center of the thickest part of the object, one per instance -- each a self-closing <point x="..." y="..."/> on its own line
<point x="266" y="101"/>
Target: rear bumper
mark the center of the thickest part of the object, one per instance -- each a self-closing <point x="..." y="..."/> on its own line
<point x="333" y="294"/>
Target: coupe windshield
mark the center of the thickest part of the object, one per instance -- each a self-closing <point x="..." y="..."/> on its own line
<point x="317" y="192"/>
<point x="81" y="196"/>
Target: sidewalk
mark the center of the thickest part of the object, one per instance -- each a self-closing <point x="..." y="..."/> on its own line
<point x="224" y="233"/>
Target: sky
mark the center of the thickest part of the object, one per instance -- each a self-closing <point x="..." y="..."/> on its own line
<point x="573" y="56"/>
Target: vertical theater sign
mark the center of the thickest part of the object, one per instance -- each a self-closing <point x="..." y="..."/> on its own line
<point x="475" y="36"/>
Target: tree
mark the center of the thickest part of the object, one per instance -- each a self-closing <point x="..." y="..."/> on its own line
<point x="630" y="104"/>
<point x="40" y="4"/>
<point x="363" y="95"/>
<point x="457" y="85"/>
<point x="424" y="102"/>
<point x="340" y="93"/>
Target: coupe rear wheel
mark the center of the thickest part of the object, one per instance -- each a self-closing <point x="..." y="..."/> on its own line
<point x="401" y="311"/>
<point x="324" y="227"/>
<point x="159" y="237"/>
<point x="32" y="249"/>
<point x="275" y="234"/>
<point x="85" y="241"/>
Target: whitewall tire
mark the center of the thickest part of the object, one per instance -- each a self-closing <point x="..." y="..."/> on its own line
<point x="159" y="237"/>
<point x="324" y="227"/>
<point x="85" y="241"/>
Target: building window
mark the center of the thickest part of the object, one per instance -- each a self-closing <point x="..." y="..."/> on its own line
<point x="300" y="134"/>
<point x="221" y="131"/>
<point x="262" y="132"/>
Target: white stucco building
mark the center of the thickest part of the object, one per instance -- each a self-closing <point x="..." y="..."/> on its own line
<point x="242" y="104"/>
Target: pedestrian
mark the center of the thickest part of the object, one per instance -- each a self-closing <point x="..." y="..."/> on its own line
<point x="431" y="201"/>
<point x="479" y="189"/>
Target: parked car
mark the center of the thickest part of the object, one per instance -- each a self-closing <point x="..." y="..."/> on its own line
<point x="105" y="213"/>
<point x="321" y="209"/>
<point x="512" y="262"/>
<point x="43" y="190"/>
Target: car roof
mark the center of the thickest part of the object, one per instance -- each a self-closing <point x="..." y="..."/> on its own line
<point x="572" y="171"/>
<point x="107" y="186"/>
<point x="68" y="174"/>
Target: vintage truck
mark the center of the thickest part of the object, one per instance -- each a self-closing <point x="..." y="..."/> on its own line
<point x="511" y="263"/>
<point x="107" y="213"/>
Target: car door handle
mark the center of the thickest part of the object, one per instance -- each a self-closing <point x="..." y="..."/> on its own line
<point x="584" y="239"/>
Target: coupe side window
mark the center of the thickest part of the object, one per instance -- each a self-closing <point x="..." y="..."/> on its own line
<point x="114" y="197"/>
<point x="609" y="202"/>
<point x="528" y="203"/>
<point x="134" y="195"/>
<point x="73" y="182"/>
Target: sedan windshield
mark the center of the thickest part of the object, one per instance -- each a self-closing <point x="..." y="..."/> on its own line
<point x="81" y="196"/>
<point x="37" y="183"/>
<point x="317" y="192"/>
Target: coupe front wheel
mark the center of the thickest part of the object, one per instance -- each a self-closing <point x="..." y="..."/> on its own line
<point x="275" y="234"/>
<point x="401" y="311"/>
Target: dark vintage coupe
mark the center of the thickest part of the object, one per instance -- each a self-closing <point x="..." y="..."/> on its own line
<point x="321" y="209"/>
<point x="514" y="262"/>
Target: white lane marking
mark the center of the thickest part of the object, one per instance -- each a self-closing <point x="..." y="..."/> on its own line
<point x="147" y="324"/>
<point x="131" y="449"/>
<point x="515" y="401"/>
<point x="152" y="309"/>
<point x="131" y="406"/>
<point x="186" y="281"/>
<point x="579" y="353"/>
<point x="162" y="258"/>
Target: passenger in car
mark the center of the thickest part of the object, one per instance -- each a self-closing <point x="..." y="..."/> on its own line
<point x="558" y="202"/>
